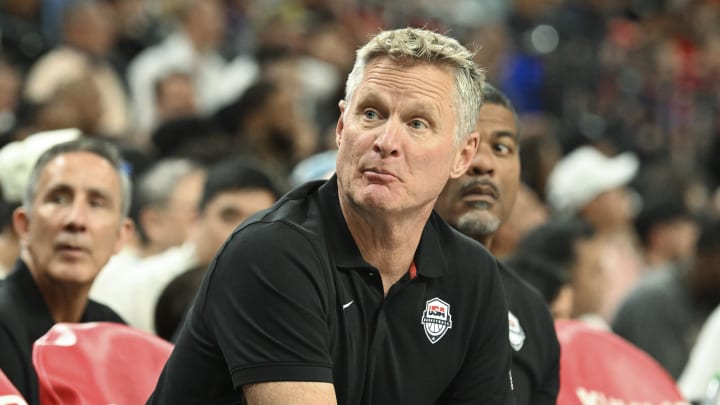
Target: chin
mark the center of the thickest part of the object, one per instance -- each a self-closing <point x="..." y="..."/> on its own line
<point x="478" y="223"/>
<point x="73" y="273"/>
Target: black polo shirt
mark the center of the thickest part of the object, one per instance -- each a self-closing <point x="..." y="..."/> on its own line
<point x="289" y="298"/>
<point x="536" y="350"/>
<point x="25" y="317"/>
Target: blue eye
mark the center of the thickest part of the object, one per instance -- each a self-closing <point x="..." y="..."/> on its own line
<point x="371" y="114"/>
<point x="418" y="124"/>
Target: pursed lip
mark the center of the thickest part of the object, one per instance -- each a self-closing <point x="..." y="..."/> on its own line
<point x="379" y="174"/>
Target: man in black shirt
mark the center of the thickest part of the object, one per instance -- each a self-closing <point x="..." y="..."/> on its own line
<point x="477" y="204"/>
<point x="353" y="291"/>
<point x="73" y="218"/>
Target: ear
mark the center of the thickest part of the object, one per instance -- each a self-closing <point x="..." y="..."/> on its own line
<point x="465" y="155"/>
<point x="127" y="228"/>
<point x="340" y="123"/>
<point x="21" y="223"/>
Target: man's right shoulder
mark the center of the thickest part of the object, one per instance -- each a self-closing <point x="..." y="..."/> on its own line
<point x="299" y="208"/>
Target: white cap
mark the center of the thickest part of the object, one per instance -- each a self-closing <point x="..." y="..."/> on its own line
<point x="18" y="158"/>
<point x="584" y="174"/>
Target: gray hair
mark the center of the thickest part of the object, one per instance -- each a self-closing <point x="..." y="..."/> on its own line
<point x="156" y="185"/>
<point x="420" y="45"/>
<point x="101" y="148"/>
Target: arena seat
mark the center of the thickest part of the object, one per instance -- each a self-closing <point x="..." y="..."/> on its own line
<point x="9" y="395"/>
<point x="599" y="367"/>
<point x="98" y="363"/>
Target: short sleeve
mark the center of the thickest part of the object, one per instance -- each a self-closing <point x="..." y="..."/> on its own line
<point x="267" y="304"/>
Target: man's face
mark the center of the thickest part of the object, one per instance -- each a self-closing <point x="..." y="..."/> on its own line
<point x="223" y="214"/>
<point x="176" y="218"/>
<point x="588" y="277"/>
<point x="75" y="223"/>
<point x="480" y="200"/>
<point x="395" y="139"/>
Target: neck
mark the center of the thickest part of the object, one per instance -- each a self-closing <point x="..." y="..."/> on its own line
<point x="9" y="249"/>
<point x="386" y="242"/>
<point x="485" y="240"/>
<point x="66" y="302"/>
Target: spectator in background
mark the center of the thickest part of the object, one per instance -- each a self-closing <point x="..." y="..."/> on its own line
<point x="573" y="247"/>
<point x="663" y="314"/>
<point x="267" y="122"/>
<point x="23" y="36"/>
<point x="82" y="61"/>
<point x="10" y="84"/>
<point x="164" y="208"/>
<point x="477" y="204"/>
<point x="69" y="225"/>
<point x="590" y="185"/>
<point x="175" y="96"/>
<point x="192" y="137"/>
<point x="16" y="162"/>
<point x="191" y="47"/>
<point x="527" y="213"/>
<point x="233" y="189"/>
<point x="667" y="230"/>
<point x="551" y="280"/>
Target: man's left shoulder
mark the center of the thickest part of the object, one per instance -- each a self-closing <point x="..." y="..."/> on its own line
<point x="528" y="311"/>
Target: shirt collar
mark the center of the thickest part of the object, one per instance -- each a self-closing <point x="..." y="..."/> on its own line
<point x="429" y="257"/>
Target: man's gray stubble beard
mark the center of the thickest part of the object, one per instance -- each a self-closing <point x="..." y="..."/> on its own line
<point x="478" y="223"/>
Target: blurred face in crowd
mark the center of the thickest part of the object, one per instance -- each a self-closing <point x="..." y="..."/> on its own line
<point x="175" y="97"/>
<point x="588" y="277"/>
<point x="91" y="28"/>
<point x="528" y="213"/>
<point x="205" y="23"/>
<point x="168" y="225"/>
<point x="396" y="138"/>
<point x="677" y="238"/>
<point x="482" y="199"/>
<point x="223" y="213"/>
<point x="609" y="210"/>
<point x="10" y="83"/>
<point x="75" y="222"/>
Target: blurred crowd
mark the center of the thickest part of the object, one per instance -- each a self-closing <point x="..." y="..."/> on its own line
<point x="220" y="106"/>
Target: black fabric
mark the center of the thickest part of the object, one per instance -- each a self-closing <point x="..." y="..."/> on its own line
<point x="289" y="298"/>
<point x="25" y="317"/>
<point x="536" y="353"/>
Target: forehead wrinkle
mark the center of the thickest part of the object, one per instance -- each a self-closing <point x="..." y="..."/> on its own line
<point x="53" y="179"/>
<point x="394" y="77"/>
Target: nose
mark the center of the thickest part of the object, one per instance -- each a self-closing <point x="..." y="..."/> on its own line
<point x="387" y="142"/>
<point x="484" y="162"/>
<point x="77" y="216"/>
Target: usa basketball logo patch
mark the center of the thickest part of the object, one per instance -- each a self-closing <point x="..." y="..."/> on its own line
<point x="436" y="319"/>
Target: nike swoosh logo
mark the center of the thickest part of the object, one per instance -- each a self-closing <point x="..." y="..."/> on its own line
<point x="345" y="306"/>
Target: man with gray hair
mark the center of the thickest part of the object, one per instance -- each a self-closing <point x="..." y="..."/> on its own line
<point x="164" y="209"/>
<point x="352" y="290"/>
<point x="69" y="225"/>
